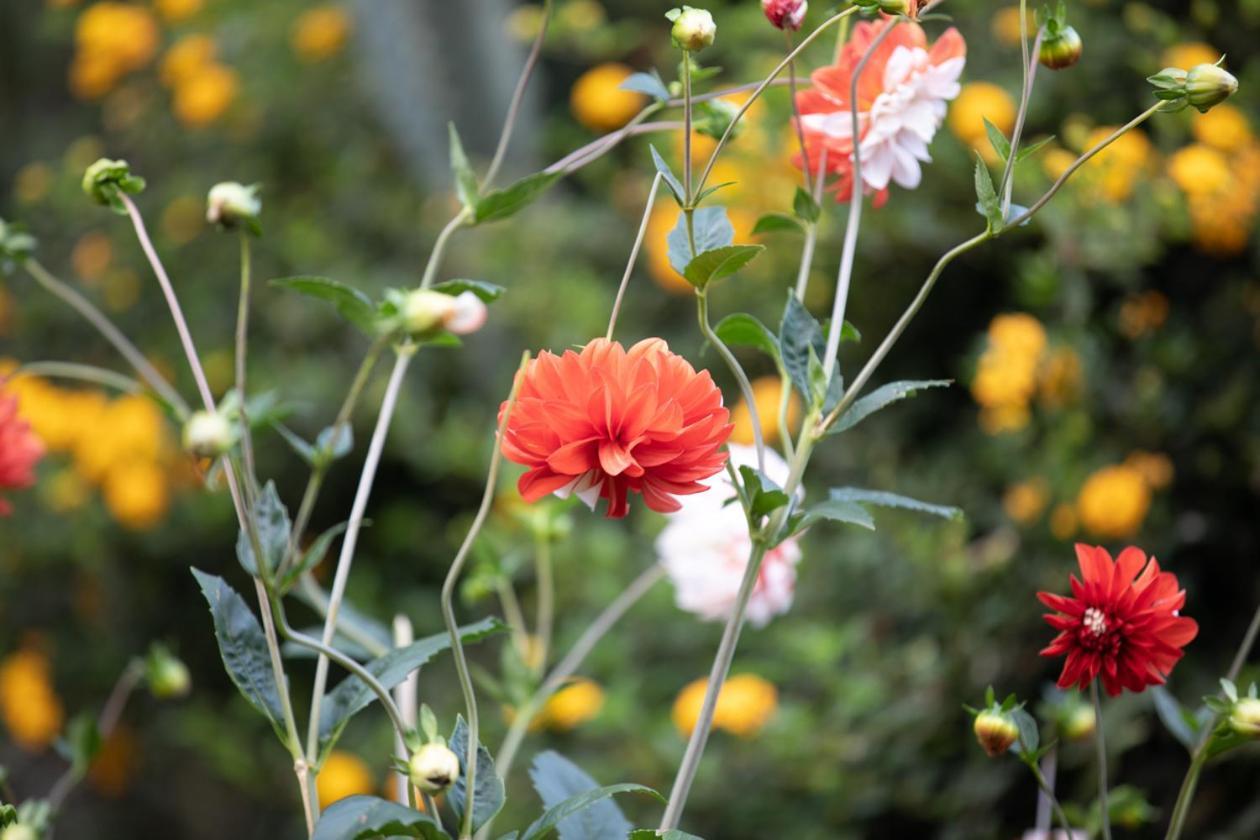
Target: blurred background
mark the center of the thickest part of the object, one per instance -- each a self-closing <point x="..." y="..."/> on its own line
<point x="1105" y="361"/>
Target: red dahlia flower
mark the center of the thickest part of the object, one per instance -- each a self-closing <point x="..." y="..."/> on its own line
<point x="20" y="449"/>
<point x="1122" y="622"/>
<point x="607" y="422"/>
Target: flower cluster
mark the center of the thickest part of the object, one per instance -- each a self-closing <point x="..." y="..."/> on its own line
<point x="201" y="86"/>
<point x="1219" y="175"/>
<point x="1015" y="367"/>
<point x="111" y="40"/>
<point x="320" y="32"/>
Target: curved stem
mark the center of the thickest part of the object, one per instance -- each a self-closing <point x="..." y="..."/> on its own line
<point x="1030" y="74"/>
<point x="317" y="599"/>
<point x="350" y="540"/>
<point x="469" y="760"/>
<point x="634" y="255"/>
<point x="111" y="333"/>
<point x="811" y="233"/>
<point x="745" y="387"/>
<point x="509" y="122"/>
<point x="439" y="247"/>
<point x="1059" y="814"/>
<point x="81" y="373"/>
<point x="1101" y="744"/>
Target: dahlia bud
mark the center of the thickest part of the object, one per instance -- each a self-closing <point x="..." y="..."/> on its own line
<point x="433" y="768"/>
<point x="230" y="204"/>
<point x="19" y="831"/>
<point x="425" y="310"/>
<point x="694" y="29"/>
<point x="106" y="178"/>
<point x="996" y="731"/>
<point x="785" y="14"/>
<point x="208" y="434"/>
<point x="1208" y="85"/>
<point x="167" y="676"/>
<point x="1079" y="723"/>
<point x="894" y="7"/>
<point x="1245" y="718"/>
<point x="1060" y="47"/>
<point x="15" y="244"/>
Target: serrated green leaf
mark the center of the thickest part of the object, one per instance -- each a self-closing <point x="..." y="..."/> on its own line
<point x="243" y="648"/>
<point x="743" y="330"/>
<point x="649" y="83"/>
<point x="558" y="780"/>
<point x="798" y="333"/>
<point x="765" y="496"/>
<point x="711" y="228"/>
<point x="487" y="292"/>
<point x="544" y="824"/>
<point x="997" y="139"/>
<point x="838" y="510"/>
<point x="667" y="175"/>
<point x="501" y="204"/>
<point x="489" y="787"/>
<point x="986" y="197"/>
<point x="1029" y="734"/>
<point x="353" y="305"/>
<point x="882" y="397"/>
<point x="892" y="500"/>
<point x="776" y="222"/>
<point x="313" y="555"/>
<point x="1030" y="150"/>
<point x="804" y="206"/>
<point x="271" y="521"/>
<point x="719" y="263"/>
<point x="360" y="817"/>
<point x="465" y="178"/>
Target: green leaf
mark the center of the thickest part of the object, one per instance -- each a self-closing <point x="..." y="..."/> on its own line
<point x="1030" y="150"/>
<point x="997" y="139"/>
<point x="465" y="178"/>
<point x="1029" y="735"/>
<point x="271" y="520"/>
<point x="712" y="230"/>
<point x="719" y="263"/>
<point x="654" y="834"/>
<point x="488" y="292"/>
<point x="765" y="495"/>
<point x="313" y="555"/>
<point x="334" y="442"/>
<point x="882" y="397"/>
<point x="243" y="648"/>
<point x="775" y="222"/>
<point x="667" y="175"/>
<point x="743" y="330"/>
<point x="543" y="825"/>
<point x="798" y="333"/>
<point x="558" y="780"/>
<point x="352" y="695"/>
<point x="892" y="500"/>
<point x="500" y="204"/>
<point x="489" y="792"/>
<point x="83" y="742"/>
<point x="837" y="510"/>
<point x="804" y="206"/>
<point x="1180" y="722"/>
<point x="649" y="83"/>
<point x="357" y="817"/>
<point x="708" y="191"/>
<point x="304" y="450"/>
<point x="352" y="304"/>
<point x="987" y="201"/>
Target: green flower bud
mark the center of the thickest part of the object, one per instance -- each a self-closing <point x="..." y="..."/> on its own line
<point x="15" y="244"/>
<point x="1060" y="48"/>
<point x="433" y="768"/>
<point x="208" y="434"/>
<point x="19" y="831"/>
<point x="694" y="29"/>
<point x="106" y="179"/>
<point x="166" y="675"/>
<point x="230" y="205"/>
<point x="1079" y="723"/>
<point x="1245" y="718"/>
<point x="996" y="731"/>
<point x="894" y="7"/>
<point x="1208" y="85"/>
<point x="424" y="310"/>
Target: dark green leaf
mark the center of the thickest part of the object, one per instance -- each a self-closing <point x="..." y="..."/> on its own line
<point x="997" y="139"/>
<point x="243" y="648"/>
<point x="313" y="555"/>
<point x="271" y="521"/>
<point x="358" y="817"/>
<point x="765" y="495"/>
<point x="712" y="230"/>
<point x="500" y="204"/>
<point x="83" y="742"/>
<point x="892" y="500"/>
<point x="653" y="834"/>
<point x="649" y="83"/>
<point x="708" y="191"/>
<point x="465" y="178"/>
<point x="667" y="174"/>
<point x="557" y="779"/>
<point x="1029" y="735"/>
<point x="544" y="824"/>
<point x="775" y="222"/>
<point x="301" y="447"/>
<point x="804" y="206"/>
<point x="798" y="333"/>
<point x="1180" y="722"/>
<point x="353" y="305"/>
<point x="489" y="795"/>
<point x="743" y="330"/>
<point x="488" y="292"/>
<point x="881" y="397"/>
<point x="719" y="263"/>
<point x="1029" y="151"/>
<point x="987" y="200"/>
<point x="838" y="510"/>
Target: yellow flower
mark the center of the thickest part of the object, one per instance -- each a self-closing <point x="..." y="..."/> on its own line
<point x="343" y="774"/>
<point x="998" y="419"/>
<point x="175" y="11"/>
<point x="1061" y="377"/>
<point x="1225" y="127"/>
<point x="581" y="15"/>
<point x="130" y="428"/>
<point x="137" y="494"/>
<point x="1018" y="334"/>
<point x="1118" y="167"/>
<point x="29" y="705"/>
<point x="320" y="33"/>
<point x="1024" y="502"/>
<point x="1005" y="25"/>
<point x="1199" y="169"/>
<point x="92" y="75"/>
<point x="745" y="704"/>
<point x="1155" y="467"/>
<point x="1056" y="161"/>
<point x="1143" y="313"/>
<point x="524" y="21"/>
<point x="1114" y="501"/>
<point x="203" y="97"/>
<point x="185" y="58"/>
<point x="977" y="102"/>
<point x="599" y="103"/>
<point x="1062" y="521"/>
<point x="577" y="703"/>
<point x="1189" y="54"/>
<point x="767" y="391"/>
<point x="121" y="33"/>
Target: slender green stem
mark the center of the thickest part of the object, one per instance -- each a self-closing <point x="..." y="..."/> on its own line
<point x="405" y="695"/>
<point x="350" y="540"/>
<point x="1007" y="184"/>
<point x="315" y="597"/>
<point x="439" y="246"/>
<point x="601" y="146"/>
<point x="111" y="333"/>
<point x="242" y="338"/>
<point x="686" y="163"/>
<point x="811" y="232"/>
<point x="81" y="373"/>
<point x="1059" y="814"/>
<point x="514" y="107"/>
<point x="1101" y="744"/>
<point x="796" y="116"/>
<point x="106" y="721"/>
<point x="745" y="387"/>
<point x="546" y="598"/>
<point x="512" y="612"/>
<point x="448" y="611"/>
<point x="634" y="255"/>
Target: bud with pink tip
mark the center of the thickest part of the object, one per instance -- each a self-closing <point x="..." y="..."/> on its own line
<point x="785" y="14"/>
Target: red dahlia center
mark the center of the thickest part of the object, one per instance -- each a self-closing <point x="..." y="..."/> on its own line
<point x="1098" y="632"/>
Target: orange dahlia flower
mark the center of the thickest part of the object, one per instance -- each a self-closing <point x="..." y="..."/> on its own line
<point x="20" y="449"/>
<point x="1122" y="623"/>
<point x="607" y="422"/>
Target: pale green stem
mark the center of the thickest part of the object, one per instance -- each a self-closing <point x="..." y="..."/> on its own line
<point x="1007" y="184"/>
<point x="546" y="598"/>
<point x="317" y="599"/>
<point x="469" y="760"/>
<point x="514" y="107"/>
<point x="687" y="105"/>
<point x="634" y="255"/>
<point x="1059" y="814"/>
<point x="439" y="247"/>
<point x="512" y="612"/>
<point x="796" y="116"/>
<point x="405" y="695"/>
<point x="81" y="373"/>
<point x="242" y="337"/>
<point x="745" y="387"/>
<point x="1101" y="744"/>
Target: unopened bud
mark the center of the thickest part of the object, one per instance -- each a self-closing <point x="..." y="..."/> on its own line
<point x="785" y="14"/>
<point x="105" y="179"/>
<point x="1208" y="85"/>
<point x="15" y="243"/>
<point x="166" y="675"/>
<point x="1079" y="723"/>
<point x="895" y="7"/>
<point x="694" y="29"/>
<point x="995" y="731"/>
<point x="433" y="768"/>
<point x="1245" y="717"/>
<point x="425" y="310"/>
<point x="208" y="434"/>
<point x="19" y="831"/>
<point x="230" y="205"/>
<point x="1060" y="48"/>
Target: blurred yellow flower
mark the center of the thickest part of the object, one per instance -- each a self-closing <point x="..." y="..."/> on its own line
<point x="91" y="75"/>
<point x="745" y="704"/>
<point x="1018" y="334"/>
<point x="1056" y="161"/>
<point x="185" y="58"/>
<point x="65" y="491"/>
<point x="202" y="98"/>
<point x="1155" y="467"/>
<point x="577" y="703"/>
<point x="1143" y="313"/>
<point x="32" y="182"/>
<point x="131" y="428"/>
<point x="1005" y="25"/>
<point x="1199" y="169"/>
<point x="136" y="494"/>
<point x="1118" y="167"/>
<point x="29" y="705"/>
<point x="111" y="40"/>
<point x="114" y="766"/>
<point x="524" y="21"/>
<point x="1114" y="501"/>
<point x="1189" y="54"/>
<point x="343" y="774"/>
<point x="1062" y="521"/>
<point x="977" y="102"/>
<point x="1061" y="378"/>
<point x="581" y="15"/>
<point x="1006" y="375"/>
<point x="175" y="11"/>
<point x="91" y="255"/>
<point x="320" y="32"/>
<point x="767" y="391"/>
<point x="599" y="103"/>
<point x="1225" y="127"/>
<point x="1024" y="501"/>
